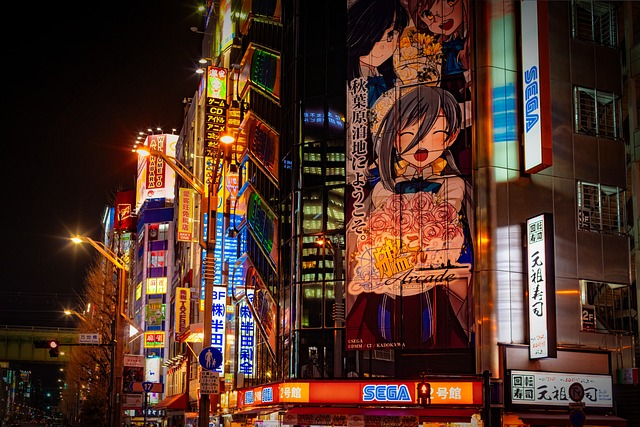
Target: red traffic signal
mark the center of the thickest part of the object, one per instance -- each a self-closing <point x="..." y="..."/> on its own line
<point x="54" y="349"/>
<point x="424" y="393"/>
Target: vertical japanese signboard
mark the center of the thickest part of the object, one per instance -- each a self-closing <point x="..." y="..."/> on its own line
<point x="541" y="287"/>
<point x="156" y="179"/>
<point x="216" y="108"/>
<point x="246" y="335"/>
<point x="218" y="322"/>
<point x="536" y="97"/>
<point x="185" y="217"/>
<point x="183" y="303"/>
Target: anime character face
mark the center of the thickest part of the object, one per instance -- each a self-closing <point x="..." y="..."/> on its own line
<point x="443" y="16"/>
<point x="383" y="49"/>
<point x="423" y="152"/>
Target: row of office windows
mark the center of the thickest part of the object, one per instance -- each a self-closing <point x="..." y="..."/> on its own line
<point x="601" y="208"/>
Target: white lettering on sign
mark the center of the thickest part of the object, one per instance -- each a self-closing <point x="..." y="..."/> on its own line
<point x="89" y="339"/>
<point x="209" y="382"/>
<point x="386" y="393"/>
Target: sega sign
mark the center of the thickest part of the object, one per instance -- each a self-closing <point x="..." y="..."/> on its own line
<point x="531" y="99"/>
<point x="386" y="393"/>
<point x="536" y="91"/>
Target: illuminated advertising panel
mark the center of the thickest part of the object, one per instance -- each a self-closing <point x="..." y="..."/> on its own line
<point x="156" y="285"/>
<point x="155" y="179"/>
<point x="215" y="117"/>
<point x="532" y="388"/>
<point x="265" y="71"/>
<point x="124" y="214"/>
<point x="154" y="314"/>
<point x="218" y="322"/>
<point x="182" y="310"/>
<point x="536" y="97"/>
<point x="225" y="26"/>
<point x="541" y="287"/>
<point x="370" y="393"/>
<point x="154" y="339"/>
<point x="228" y="252"/>
<point x="217" y="83"/>
<point x="410" y="210"/>
<point x="263" y="306"/>
<point x="262" y="222"/>
<point x="152" y="374"/>
<point x="246" y="335"/>
<point x="262" y="142"/>
<point x="185" y="215"/>
<point x="261" y="69"/>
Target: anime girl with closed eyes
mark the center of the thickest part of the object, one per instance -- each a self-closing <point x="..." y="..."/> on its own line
<point x="410" y="272"/>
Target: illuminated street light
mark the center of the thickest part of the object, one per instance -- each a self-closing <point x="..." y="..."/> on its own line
<point x="117" y="354"/>
<point x="178" y="167"/>
<point x="227" y="138"/>
<point x="80" y="316"/>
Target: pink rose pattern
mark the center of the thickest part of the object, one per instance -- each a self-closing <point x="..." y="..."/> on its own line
<point x="407" y="232"/>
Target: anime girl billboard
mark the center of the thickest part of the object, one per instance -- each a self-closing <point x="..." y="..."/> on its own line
<point x="409" y="247"/>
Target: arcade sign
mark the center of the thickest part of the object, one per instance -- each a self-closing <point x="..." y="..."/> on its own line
<point x="443" y="392"/>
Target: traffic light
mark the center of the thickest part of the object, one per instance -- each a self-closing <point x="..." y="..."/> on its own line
<point x="424" y="393"/>
<point x="54" y="348"/>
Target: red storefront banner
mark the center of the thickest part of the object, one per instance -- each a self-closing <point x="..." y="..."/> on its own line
<point x="443" y="392"/>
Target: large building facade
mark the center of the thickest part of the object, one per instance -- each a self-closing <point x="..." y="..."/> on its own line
<point x="419" y="192"/>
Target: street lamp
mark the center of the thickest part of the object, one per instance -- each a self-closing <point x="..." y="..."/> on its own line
<point x="337" y="311"/>
<point x="117" y="350"/>
<point x="174" y="164"/>
<point x="73" y="312"/>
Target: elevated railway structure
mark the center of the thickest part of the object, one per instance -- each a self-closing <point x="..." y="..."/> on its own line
<point x="17" y="344"/>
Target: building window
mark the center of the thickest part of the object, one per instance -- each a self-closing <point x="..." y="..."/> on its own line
<point x="383" y="354"/>
<point x="608" y="307"/>
<point x="601" y="208"/>
<point x="594" y="21"/>
<point x="597" y="113"/>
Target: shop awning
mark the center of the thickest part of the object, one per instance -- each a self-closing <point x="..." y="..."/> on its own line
<point x="546" y="419"/>
<point x="175" y="402"/>
<point x="193" y="333"/>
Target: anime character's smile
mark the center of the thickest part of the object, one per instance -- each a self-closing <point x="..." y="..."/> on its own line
<point x="447" y="25"/>
<point x="421" y="155"/>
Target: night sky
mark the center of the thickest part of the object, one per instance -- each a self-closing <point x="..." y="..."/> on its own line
<point x="81" y="80"/>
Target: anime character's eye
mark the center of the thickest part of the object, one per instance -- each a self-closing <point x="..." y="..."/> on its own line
<point x="391" y="35"/>
<point x="427" y="15"/>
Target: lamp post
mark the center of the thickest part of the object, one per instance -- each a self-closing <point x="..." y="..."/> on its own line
<point x="117" y="350"/>
<point x="337" y="311"/>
